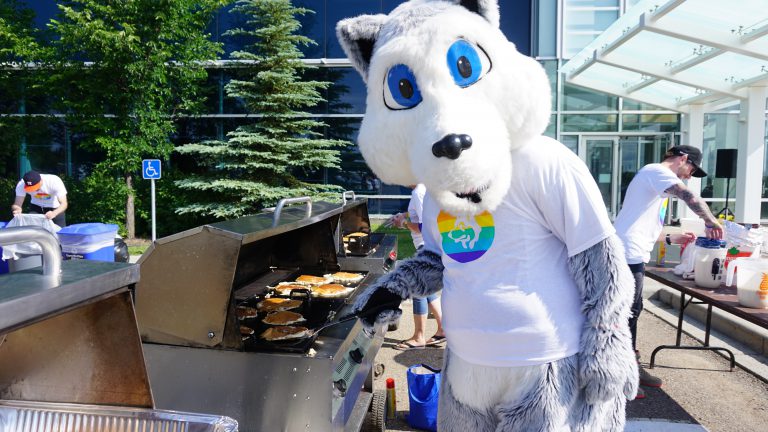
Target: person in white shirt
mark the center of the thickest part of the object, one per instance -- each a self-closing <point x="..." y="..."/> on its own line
<point x="412" y="222"/>
<point x="640" y="222"/>
<point x="48" y="196"/>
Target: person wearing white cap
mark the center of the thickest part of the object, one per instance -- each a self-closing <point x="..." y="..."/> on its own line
<point x="48" y="196"/>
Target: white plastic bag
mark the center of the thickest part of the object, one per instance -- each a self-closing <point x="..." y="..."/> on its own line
<point x="687" y="261"/>
<point x="16" y="251"/>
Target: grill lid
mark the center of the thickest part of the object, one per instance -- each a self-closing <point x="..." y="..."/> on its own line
<point x="187" y="279"/>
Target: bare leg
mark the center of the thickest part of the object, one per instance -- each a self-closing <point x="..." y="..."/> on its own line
<point x="419" y="324"/>
<point x="434" y="307"/>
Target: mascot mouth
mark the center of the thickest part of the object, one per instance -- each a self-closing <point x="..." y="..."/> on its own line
<point x="474" y="194"/>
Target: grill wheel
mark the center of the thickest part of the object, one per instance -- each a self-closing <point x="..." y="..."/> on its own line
<point x="378" y="416"/>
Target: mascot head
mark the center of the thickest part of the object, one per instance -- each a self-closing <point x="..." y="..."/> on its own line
<point x="449" y="98"/>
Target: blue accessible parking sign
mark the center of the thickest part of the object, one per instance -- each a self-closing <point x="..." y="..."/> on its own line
<point x="150" y="169"/>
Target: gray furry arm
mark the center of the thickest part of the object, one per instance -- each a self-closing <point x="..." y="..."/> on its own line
<point x="419" y="276"/>
<point x="607" y="363"/>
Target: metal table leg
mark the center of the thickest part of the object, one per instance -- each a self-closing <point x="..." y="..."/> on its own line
<point x="678" y="339"/>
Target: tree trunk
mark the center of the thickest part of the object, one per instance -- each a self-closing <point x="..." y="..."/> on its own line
<point x="130" y="217"/>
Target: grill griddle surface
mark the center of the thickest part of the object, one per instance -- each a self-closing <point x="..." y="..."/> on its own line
<point x="317" y="311"/>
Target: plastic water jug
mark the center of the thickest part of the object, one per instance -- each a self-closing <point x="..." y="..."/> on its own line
<point x="709" y="257"/>
<point x="751" y="281"/>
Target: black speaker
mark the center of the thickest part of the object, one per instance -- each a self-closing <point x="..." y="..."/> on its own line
<point x="726" y="163"/>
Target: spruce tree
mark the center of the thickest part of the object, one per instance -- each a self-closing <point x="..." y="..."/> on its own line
<point x="258" y="163"/>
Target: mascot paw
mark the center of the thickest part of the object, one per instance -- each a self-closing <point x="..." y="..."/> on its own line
<point x="608" y="374"/>
<point x="381" y="307"/>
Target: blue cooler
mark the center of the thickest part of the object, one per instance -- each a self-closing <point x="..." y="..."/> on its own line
<point x="91" y="241"/>
<point x="3" y="263"/>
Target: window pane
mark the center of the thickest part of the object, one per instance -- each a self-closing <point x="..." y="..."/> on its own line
<point x="573" y="43"/>
<point x="338" y="10"/>
<point x="551" y="130"/>
<point x="590" y="20"/>
<point x="313" y="27"/>
<point x="45" y="142"/>
<point x="546" y="28"/>
<point x="550" y="67"/>
<point x="515" y="23"/>
<point x="631" y="105"/>
<point x="720" y="131"/>
<point x="589" y="123"/>
<point x="591" y="3"/>
<point x="571" y="141"/>
<point x="650" y="122"/>
<point x="347" y="93"/>
<point x="580" y="99"/>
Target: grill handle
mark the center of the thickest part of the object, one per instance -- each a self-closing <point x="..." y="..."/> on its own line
<point x="47" y="241"/>
<point x="344" y="196"/>
<point x="284" y="201"/>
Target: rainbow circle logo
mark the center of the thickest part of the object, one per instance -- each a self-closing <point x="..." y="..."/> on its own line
<point x="466" y="238"/>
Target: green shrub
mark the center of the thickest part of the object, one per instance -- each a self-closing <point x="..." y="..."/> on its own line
<point x="168" y="198"/>
<point x="98" y="198"/>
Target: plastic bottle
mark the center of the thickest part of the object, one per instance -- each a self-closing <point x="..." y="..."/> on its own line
<point x="662" y="253"/>
<point x="391" y="398"/>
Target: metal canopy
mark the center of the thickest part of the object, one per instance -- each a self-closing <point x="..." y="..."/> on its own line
<point x="679" y="53"/>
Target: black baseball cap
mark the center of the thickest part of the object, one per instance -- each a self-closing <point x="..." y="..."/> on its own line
<point x="694" y="157"/>
<point x="32" y="181"/>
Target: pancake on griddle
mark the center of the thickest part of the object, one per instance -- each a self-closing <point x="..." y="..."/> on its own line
<point x="273" y="304"/>
<point x="284" y="332"/>
<point x="283" y="318"/>
<point x="312" y="280"/>
<point x="346" y="278"/>
<point x="244" y="312"/>
<point x="246" y="332"/>
<point x="331" y="290"/>
<point x="285" y="288"/>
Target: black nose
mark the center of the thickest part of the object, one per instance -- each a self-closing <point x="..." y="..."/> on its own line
<point x="451" y="146"/>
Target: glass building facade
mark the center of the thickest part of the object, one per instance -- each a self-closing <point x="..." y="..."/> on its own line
<point x="614" y="136"/>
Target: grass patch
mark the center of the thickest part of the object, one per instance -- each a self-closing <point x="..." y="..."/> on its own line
<point x="405" y="248"/>
<point x="137" y="246"/>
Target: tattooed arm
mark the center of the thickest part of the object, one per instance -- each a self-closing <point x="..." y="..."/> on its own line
<point x="695" y="203"/>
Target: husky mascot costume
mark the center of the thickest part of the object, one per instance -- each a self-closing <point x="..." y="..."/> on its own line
<point x="536" y="291"/>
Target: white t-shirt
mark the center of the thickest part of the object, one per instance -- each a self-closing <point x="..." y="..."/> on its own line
<point x="508" y="296"/>
<point x="47" y="195"/>
<point x="415" y="206"/>
<point x="641" y="218"/>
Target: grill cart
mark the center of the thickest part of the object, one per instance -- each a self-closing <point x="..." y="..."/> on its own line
<point x="195" y="283"/>
<point x="70" y="353"/>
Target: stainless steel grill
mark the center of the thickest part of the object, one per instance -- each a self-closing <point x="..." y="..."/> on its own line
<point x="70" y="353"/>
<point x="192" y="283"/>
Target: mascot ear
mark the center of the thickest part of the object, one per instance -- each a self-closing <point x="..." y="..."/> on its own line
<point x="357" y="37"/>
<point x="488" y="9"/>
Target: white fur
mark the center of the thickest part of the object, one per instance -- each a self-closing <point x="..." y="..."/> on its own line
<point x="502" y="111"/>
<point x="501" y="385"/>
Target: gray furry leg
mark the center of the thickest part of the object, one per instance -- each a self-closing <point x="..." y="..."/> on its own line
<point x="454" y="416"/>
<point x="546" y="406"/>
<point x="604" y="416"/>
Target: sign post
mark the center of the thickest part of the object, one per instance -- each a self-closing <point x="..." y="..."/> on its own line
<point x="150" y="170"/>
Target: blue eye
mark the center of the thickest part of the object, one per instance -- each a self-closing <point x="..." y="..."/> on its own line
<point x="401" y="90"/>
<point x="467" y="63"/>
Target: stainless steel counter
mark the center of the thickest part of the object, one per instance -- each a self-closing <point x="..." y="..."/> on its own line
<point x="27" y="296"/>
